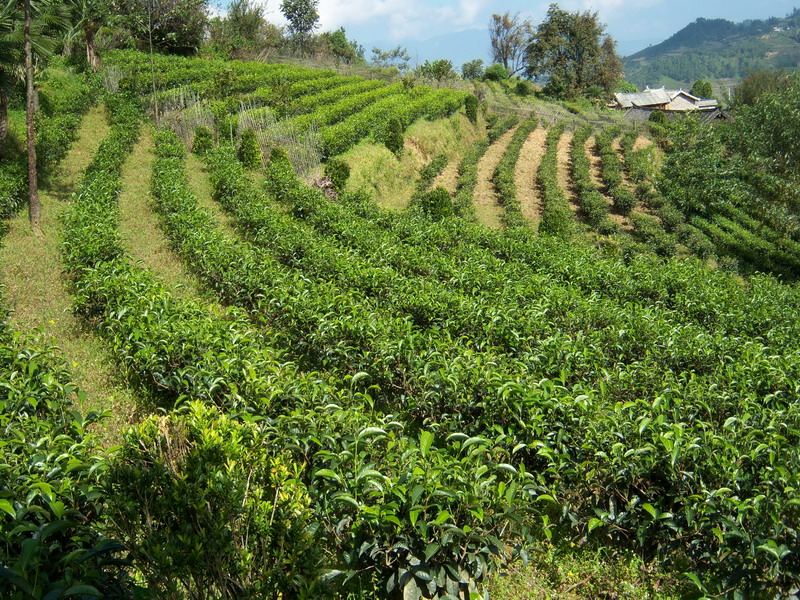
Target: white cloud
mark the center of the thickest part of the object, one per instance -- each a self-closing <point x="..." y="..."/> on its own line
<point x="607" y="8"/>
<point x="402" y="18"/>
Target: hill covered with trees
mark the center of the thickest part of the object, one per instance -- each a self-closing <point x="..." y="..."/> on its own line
<point x="716" y="49"/>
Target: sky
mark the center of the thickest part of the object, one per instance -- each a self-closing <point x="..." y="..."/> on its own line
<point x="635" y="24"/>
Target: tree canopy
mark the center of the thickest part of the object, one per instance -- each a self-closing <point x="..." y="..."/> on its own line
<point x="509" y="36"/>
<point x="573" y="52"/>
<point x="302" y="16"/>
<point x="702" y="89"/>
<point x="175" y="26"/>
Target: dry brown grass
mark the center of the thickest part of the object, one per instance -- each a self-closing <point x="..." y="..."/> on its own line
<point x="487" y="207"/>
<point x="530" y="157"/>
<point x="448" y="178"/>
<point x="390" y="179"/>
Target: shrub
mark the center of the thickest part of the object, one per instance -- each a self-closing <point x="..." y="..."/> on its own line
<point x="595" y="92"/>
<point x="624" y="199"/>
<point x="658" y="117"/>
<point x="695" y="240"/>
<point x="192" y="521"/>
<point x="203" y="140"/>
<point x="437" y="204"/>
<point x="671" y="217"/>
<point x="12" y="187"/>
<point x="523" y="88"/>
<point x="471" y="107"/>
<point x="249" y="150"/>
<point x="338" y="172"/>
<point x="394" y="137"/>
<point x="500" y="125"/>
<point x="496" y="72"/>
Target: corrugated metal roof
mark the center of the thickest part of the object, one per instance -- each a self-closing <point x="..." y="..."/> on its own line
<point x="675" y="93"/>
<point x="645" y="98"/>
<point x="659" y="97"/>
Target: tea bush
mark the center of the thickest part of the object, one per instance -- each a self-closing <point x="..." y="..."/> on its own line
<point x="249" y="150"/>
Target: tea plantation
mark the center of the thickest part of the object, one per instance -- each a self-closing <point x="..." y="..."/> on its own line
<point x="355" y="401"/>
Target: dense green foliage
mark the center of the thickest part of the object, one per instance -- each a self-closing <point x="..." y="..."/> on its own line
<point x="738" y="185"/>
<point x="203" y="140"/>
<point x="556" y="215"/>
<point x="471" y="107"/>
<point x="249" y="150"/>
<point x="51" y="500"/>
<point x="594" y="207"/>
<point x="395" y="404"/>
<point x="338" y="172"/>
<point x="393" y="138"/>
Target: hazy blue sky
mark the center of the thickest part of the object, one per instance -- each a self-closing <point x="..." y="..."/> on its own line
<point x="633" y="23"/>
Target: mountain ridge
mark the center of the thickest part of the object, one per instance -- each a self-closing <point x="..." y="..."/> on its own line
<point x="718" y="49"/>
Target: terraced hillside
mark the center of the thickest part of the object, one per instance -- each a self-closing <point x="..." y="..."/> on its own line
<point x="334" y="398"/>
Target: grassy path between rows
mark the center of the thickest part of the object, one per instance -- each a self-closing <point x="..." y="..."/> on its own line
<point x="141" y="231"/>
<point x="37" y="292"/>
<point x="138" y="223"/>
<point x="201" y="187"/>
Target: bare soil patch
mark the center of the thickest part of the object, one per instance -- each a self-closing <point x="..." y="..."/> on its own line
<point x="642" y="142"/>
<point x="530" y="158"/>
<point x="447" y="178"/>
<point x="487" y="208"/>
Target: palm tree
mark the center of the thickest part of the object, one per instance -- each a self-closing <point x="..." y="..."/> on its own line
<point x="90" y="18"/>
<point x="7" y="12"/>
<point x="40" y="20"/>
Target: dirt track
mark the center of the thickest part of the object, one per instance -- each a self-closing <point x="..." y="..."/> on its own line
<point x="525" y="175"/>
<point x="487" y="208"/>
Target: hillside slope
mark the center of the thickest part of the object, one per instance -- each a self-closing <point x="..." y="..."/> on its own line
<point x="717" y="48"/>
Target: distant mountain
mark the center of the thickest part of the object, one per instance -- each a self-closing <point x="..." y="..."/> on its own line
<point x="718" y="49"/>
<point x="459" y="47"/>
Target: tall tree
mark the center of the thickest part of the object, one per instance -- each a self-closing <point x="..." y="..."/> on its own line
<point x="574" y="53"/>
<point x="397" y="57"/>
<point x="176" y="26"/>
<point x="7" y="12"/>
<point x="89" y="19"/>
<point x="439" y="70"/>
<point x="509" y="37"/>
<point x="34" y="206"/>
<point x="41" y="20"/>
<point x="303" y="18"/>
<point x="702" y="89"/>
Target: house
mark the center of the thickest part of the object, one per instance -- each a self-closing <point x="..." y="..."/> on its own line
<point x="639" y="105"/>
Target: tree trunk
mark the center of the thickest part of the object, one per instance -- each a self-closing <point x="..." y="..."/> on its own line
<point x="92" y="57"/>
<point x="3" y="122"/>
<point x="34" y="207"/>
